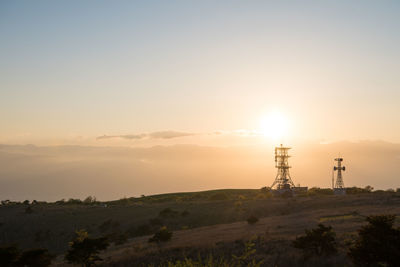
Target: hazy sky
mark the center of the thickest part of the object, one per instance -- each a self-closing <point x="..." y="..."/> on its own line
<point x="76" y="70"/>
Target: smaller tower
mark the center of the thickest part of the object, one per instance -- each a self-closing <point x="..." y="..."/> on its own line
<point x="339" y="185"/>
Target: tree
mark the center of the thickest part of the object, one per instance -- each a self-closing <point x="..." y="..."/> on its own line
<point x="35" y="257"/>
<point x="378" y="243"/>
<point x="84" y="250"/>
<point x="320" y="241"/>
<point x="90" y="200"/>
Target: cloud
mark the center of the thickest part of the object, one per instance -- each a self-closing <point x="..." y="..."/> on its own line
<point x="152" y="135"/>
<point x="176" y="134"/>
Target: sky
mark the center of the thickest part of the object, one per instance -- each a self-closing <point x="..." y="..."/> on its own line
<point x="141" y="97"/>
<point x="73" y="71"/>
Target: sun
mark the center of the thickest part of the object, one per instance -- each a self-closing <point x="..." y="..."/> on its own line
<point x="274" y="125"/>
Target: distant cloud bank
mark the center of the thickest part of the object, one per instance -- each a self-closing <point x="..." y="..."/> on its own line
<point x="153" y="135"/>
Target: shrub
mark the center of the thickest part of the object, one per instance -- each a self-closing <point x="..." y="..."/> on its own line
<point x="8" y="256"/>
<point x="90" y="200"/>
<point x="252" y="220"/>
<point x="11" y="256"/>
<point x="378" y="243"/>
<point x="317" y="242"/>
<point x="358" y="190"/>
<point x="35" y="257"/>
<point x="319" y="191"/>
<point x="84" y="250"/>
<point x="162" y="235"/>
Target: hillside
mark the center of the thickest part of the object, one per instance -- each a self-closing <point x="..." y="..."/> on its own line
<point x="200" y="221"/>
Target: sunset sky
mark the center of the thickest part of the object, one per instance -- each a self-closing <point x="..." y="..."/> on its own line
<point x="71" y="71"/>
<point x="142" y="97"/>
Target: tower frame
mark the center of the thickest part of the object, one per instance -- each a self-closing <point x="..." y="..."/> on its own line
<point x="282" y="179"/>
<point x="339" y="178"/>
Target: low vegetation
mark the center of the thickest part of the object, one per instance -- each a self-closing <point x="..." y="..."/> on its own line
<point x="162" y="235"/>
<point x="378" y="243"/>
<point x="84" y="250"/>
<point x="11" y="256"/>
<point x="320" y="241"/>
<point x="51" y="226"/>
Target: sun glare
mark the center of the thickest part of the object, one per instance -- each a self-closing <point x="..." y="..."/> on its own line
<point x="274" y="125"/>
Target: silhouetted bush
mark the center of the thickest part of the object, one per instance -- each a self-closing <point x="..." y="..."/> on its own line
<point x="90" y="200"/>
<point x="162" y="235"/>
<point x="84" y="250"/>
<point x="316" y="191"/>
<point x="35" y="258"/>
<point x="358" y="190"/>
<point x="319" y="241"/>
<point x="252" y="220"/>
<point x="378" y="243"/>
<point x="74" y="201"/>
<point x="8" y="256"/>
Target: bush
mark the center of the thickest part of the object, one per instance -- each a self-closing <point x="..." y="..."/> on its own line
<point x="317" y="242"/>
<point x="84" y="250"/>
<point x="35" y="257"/>
<point x="11" y="256"/>
<point x="316" y="191"/>
<point x="252" y="220"/>
<point x="90" y="200"/>
<point x="358" y="190"/>
<point x="378" y="243"/>
<point x="162" y="235"/>
<point x="8" y="256"/>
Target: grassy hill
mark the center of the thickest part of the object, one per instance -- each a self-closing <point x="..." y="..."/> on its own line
<point x="200" y="221"/>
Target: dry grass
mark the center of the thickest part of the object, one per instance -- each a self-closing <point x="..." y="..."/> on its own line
<point x="344" y="218"/>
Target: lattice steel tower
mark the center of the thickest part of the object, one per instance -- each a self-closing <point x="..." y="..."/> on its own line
<point x="282" y="180"/>
<point x="339" y="168"/>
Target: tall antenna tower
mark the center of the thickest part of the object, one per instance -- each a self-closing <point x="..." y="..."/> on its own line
<point x="339" y="179"/>
<point x="282" y="180"/>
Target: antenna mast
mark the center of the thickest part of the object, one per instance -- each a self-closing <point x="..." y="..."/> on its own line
<point x="283" y="179"/>
<point x="339" y="168"/>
